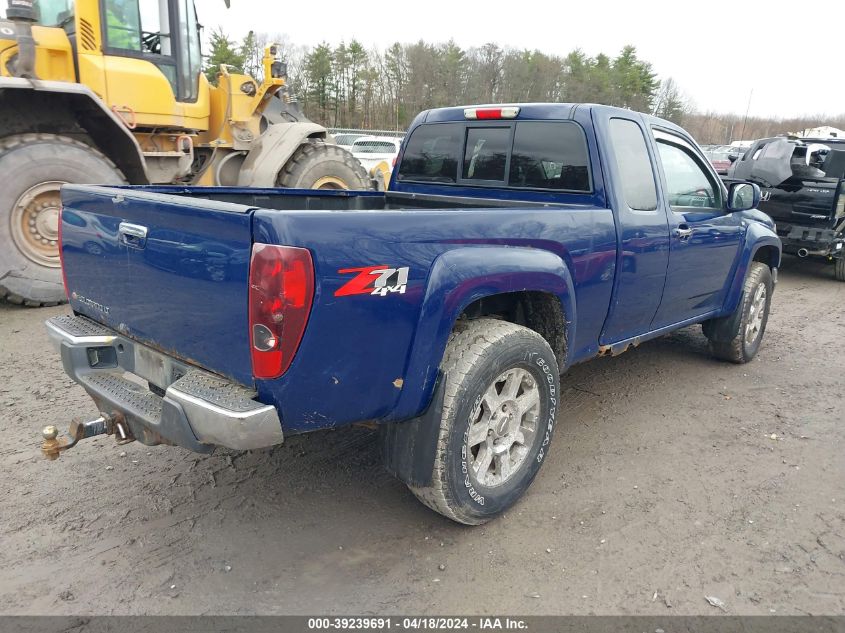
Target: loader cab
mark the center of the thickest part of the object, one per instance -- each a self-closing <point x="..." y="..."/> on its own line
<point x="164" y="32"/>
<point x="143" y="58"/>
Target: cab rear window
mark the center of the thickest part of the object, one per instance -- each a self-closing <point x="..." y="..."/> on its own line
<point x="549" y="155"/>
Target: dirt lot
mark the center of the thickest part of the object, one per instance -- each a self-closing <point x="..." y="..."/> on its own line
<point x="672" y="477"/>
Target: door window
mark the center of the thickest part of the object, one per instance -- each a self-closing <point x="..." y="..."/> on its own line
<point x="634" y="164"/>
<point x="123" y="25"/>
<point x="687" y="183"/>
<point x="190" y="61"/>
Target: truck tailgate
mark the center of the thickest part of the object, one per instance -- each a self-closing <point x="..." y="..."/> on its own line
<point x="169" y="272"/>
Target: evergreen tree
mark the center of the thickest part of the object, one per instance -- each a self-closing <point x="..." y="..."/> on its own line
<point x="253" y="54"/>
<point x="321" y="82"/>
<point x="670" y="103"/>
<point x="223" y="51"/>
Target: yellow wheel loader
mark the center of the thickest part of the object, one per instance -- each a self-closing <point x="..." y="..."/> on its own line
<point x="112" y="91"/>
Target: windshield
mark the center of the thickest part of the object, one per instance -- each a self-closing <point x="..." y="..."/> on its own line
<point x="53" y="12"/>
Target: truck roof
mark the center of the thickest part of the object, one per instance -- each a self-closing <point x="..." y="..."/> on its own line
<point x="550" y="111"/>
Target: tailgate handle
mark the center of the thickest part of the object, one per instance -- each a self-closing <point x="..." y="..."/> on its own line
<point x="133" y="235"/>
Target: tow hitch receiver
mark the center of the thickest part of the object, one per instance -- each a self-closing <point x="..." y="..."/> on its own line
<point x="53" y="445"/>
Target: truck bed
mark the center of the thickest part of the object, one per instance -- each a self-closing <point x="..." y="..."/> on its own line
<point x="184" y="291"/>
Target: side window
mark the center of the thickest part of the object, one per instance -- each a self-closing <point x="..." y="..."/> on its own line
<point x="432" y="153"/>
<point x="123" y="25"/>
<point x="549" y="155"/>
<point x="143" y="28"/>
<point x="155" y="29"/>
<point x="687" y="183"/>
<point x="191" y="61"/>
<point x="486" y="153"/>
<point x="634" y="165"/>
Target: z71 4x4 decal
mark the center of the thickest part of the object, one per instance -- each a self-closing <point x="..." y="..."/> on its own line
<point x="373" y="280"/>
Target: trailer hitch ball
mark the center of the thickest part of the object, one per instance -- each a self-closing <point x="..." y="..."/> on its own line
<point x="50" y="446"/>
<point x="54" y="444"/>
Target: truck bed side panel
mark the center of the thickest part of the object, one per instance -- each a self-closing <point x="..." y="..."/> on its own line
<point x="354" y="358"/>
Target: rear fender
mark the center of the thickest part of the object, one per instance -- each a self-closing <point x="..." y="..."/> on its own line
<point x="458" y="278"/>
<point x="273" y="149"/>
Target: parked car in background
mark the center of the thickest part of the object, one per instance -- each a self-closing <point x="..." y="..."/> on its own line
<point x="720" y="157"/>
<point x="346" y="139"/>
<point x="372" y="150"/>
<point x="803" y="190"/>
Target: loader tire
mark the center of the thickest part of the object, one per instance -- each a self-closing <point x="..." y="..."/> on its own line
<point x="318" y="165"/>
<point x="501" y="395"/>
<point x="33" y="168"/>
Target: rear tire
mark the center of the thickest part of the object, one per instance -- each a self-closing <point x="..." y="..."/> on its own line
<point x="839" y="268"/>
<point x="33" y="167"/>
<point x="746" y="326"/>
<point x="499" y="405"/>
<point x="318" y="165"/>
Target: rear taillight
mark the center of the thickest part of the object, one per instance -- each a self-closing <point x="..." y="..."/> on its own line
<point x="281" y="288"/>
<point x="506" y="112"/>
<point x="62" y="256"/>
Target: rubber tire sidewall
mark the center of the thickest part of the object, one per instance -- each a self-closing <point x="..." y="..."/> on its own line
<point x="737" y="350"/>
<point x="34" y="161"/>
<point x="516" y="352"/>
<point x="839" y="268"/>
<point x="316" y="160"/>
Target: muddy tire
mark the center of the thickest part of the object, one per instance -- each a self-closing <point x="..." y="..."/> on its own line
<point x="500" y="399"/>
<point x="318" y="165"/>
<point x="839" y="268"/>
<point x="737" y="338"/>
<point x="33" y="167"/>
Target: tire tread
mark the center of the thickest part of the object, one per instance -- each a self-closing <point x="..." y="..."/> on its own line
<point x="307" y="152"/>
<point x="468" y="341"/>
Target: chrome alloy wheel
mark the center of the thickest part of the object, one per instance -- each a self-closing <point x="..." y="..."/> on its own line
<point x="502" y="431"/>
<point x="756" y="312"/>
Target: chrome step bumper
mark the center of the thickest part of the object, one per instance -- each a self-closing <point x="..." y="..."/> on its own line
<point x="198" y="410"/>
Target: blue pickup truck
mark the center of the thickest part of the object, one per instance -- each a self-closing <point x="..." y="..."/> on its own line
<point x="514" y="242"/>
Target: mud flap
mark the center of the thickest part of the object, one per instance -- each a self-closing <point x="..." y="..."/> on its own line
<point x="408" y="448"/>
<point x="724" y="329"/>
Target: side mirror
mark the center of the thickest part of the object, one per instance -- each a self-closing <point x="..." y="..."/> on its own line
<point x="733" y="158"/>
<point x="743" y="196"/>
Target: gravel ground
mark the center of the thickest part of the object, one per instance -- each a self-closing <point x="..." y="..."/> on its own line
<point x="672" y="477"/>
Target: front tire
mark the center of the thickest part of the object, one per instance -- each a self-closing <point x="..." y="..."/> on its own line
<point x="500" y="400"/>
<point x="34" y="167"/>
<point x="839" y="268"/>
<point x="737" y="337"/>
<point x="318" y="165"/>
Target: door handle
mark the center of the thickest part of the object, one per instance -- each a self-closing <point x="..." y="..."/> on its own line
<point x="683" y="232"/>
<point x="133" y="235"/>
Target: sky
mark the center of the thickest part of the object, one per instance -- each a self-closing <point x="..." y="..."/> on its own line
<point x="718" y="52"/>
<point x="783" y="56"/>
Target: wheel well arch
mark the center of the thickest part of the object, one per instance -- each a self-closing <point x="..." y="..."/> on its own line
<point x="539" y="311"/>
<point x="769" y="255"/>
<point x="70" y="110"/>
